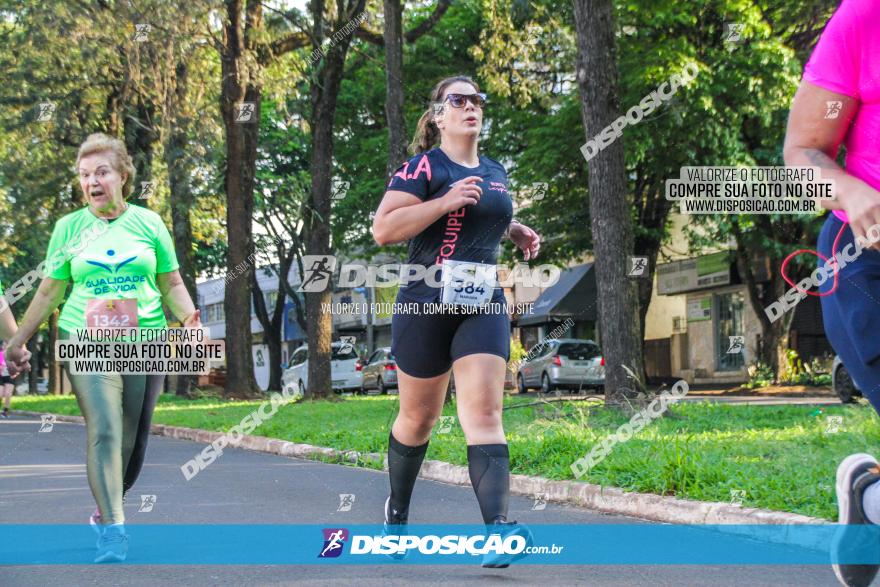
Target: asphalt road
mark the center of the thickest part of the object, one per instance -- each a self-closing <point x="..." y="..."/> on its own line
<point x="43" y="481"/>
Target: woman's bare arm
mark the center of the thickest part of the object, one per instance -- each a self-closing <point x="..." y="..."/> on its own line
<point x="49" y="296"/>
<point x="401" y="216"/>
<point x="176" y="296"/>
<point x="813" y="139"/>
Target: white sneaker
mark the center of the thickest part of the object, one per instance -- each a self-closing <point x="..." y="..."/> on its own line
<point x="854" y="474"/>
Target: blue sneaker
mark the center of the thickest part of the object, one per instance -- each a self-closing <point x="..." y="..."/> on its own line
<point x="112" y="545"/>
<point x="395" y="525"/>
<point x="493" y="560"/>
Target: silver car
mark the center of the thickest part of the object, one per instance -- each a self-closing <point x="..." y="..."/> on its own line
<point x="380" y="371"/>
<point x="345" y="369"/>
<point x="566" y="362"/>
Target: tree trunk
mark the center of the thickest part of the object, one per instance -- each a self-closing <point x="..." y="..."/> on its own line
<point x="241" y="144"/>
<point x="781" y="352"/>
<point x="317" y="218"/>
<point x="652" y="211"/>
<point x="779" y="341"/>
<point x="394" y="85"/>
<point x="182" y="199"/>
<point x="324" y="95"/>
<point x="610" y="218"/>
<point x="34" y="374"/>
<point x="773" y="346"/>
<point x="273" y="327"/>
<point x="140" y="136"/>
<point x="114" y="110"/>
<point x="275" y="371"/>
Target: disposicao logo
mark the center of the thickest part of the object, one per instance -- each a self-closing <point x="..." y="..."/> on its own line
<point x="473" y="545"/>
<point x="334" y="540"/>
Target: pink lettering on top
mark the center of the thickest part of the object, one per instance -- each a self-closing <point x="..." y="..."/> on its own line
<point x="498" y="186"/>
<point x="423" y="166"/>
<point x="450" y="235"/>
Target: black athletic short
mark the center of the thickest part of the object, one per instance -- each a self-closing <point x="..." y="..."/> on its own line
<point x="4" y="379"/>
<point x="426" y="344"/>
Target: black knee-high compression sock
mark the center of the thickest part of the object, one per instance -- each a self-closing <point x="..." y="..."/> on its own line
<point x="489" y="468"/>
<point x="404" y="463"/>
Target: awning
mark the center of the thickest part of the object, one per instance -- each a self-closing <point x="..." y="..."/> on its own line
<point x="573" y="296"/>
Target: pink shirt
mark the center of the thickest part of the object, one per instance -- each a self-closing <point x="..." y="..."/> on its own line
<point x="846" y="60"/>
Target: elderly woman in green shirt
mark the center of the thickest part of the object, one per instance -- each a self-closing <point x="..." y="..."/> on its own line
<point x="121" y="276"/>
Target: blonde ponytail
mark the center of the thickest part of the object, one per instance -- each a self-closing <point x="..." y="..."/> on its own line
<point x="427" y="134"/>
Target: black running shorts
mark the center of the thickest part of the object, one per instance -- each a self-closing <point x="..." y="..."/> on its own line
<point x="425" y="343"/>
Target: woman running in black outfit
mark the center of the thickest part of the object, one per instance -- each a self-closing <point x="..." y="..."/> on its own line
<point x="453" y="207"/>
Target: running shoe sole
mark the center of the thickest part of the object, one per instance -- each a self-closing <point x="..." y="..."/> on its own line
<point x="111" y="557"/>
<point x="502" y="561"/>
<point x="848" y="469"/>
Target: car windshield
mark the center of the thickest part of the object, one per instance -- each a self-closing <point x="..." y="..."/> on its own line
<point x="344" y="353"/>
<point x="578" y="351"/>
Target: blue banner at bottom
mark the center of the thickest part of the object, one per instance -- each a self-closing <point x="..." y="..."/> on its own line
<point x="594" y="544"/>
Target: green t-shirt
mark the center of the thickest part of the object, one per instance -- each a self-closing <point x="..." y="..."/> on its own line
<point x="115" y="261"/>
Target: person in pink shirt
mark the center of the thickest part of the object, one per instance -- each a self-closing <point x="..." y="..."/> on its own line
<point x="5" y="382"/>
<point x="9" y="369"/>
<point x="838" y="103"/>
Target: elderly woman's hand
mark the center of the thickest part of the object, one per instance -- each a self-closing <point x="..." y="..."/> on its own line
<point x="17" y="359"/>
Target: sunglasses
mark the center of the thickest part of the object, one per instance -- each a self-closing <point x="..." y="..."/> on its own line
<point x="458" y="100"/>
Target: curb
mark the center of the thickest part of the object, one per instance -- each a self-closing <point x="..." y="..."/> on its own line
<point x="608" y="500"/>
<point x="255" y="443"/>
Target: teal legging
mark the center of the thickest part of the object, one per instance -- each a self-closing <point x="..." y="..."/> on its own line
<point x="112" y="406"/>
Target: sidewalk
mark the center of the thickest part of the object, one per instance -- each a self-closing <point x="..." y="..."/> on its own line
<point x="776" y="395"/>
<point x="773" y="391"/>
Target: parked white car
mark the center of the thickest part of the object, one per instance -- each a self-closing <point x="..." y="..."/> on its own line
<point x="345" y="369"/>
